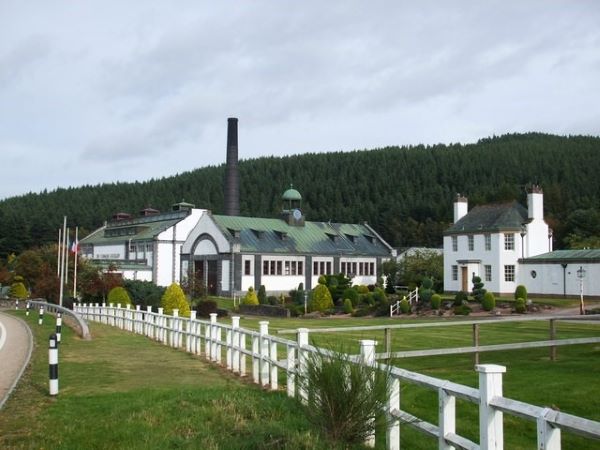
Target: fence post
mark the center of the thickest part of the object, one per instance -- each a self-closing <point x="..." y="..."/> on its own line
<point x="149" y="329"/>
<point x="213" y="336"/>
<point x="264" y="352"/>
<point x="41" y="318"/>
<point x="207" y="341"/>
<point x="291" y="368"/>
<point x="552" y="338"/>
<point x="255" y="359"/>
<point x="491" y="434"/>
<point x="302" y="363"/>
<point x="367" y="355"/>
<point x="242" y="354"/>
<point x="58" y="327"/>
<point x="393" y="428"/>
<point x="189" y="335"/>
<point x="446" y="417"/>
<point x="235" y="324"/>
<point x="548" y="437"/>
<point x="174" y="323"/>
<point x="229" y="345"/>
<point x="476" y="343"/>
<point x="53" y="364"/>
<point x="388" y="342"/>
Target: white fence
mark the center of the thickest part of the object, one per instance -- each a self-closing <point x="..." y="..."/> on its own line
<point x="206" y="338"/>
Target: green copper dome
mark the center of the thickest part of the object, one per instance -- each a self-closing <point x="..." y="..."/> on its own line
<point x="291" y="194"/>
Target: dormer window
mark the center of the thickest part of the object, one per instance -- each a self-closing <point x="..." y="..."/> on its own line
<point x="281" y="235"/>
<point x="332" y="236"/>
<point x="258" y="233"/>
<point x="351" y="237"/>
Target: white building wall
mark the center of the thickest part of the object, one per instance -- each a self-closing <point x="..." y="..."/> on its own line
<point x="113" y="251"/>
<point x="550" y="279"/>
<point x="164" y="264"/>
<point x="141" y="275"/>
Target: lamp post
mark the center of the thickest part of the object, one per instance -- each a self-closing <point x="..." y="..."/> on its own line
<point x="550" y="234"/>
<point x="581" y="276"/>
<point x="305" y="300"/>
<point x="523" y="233"/>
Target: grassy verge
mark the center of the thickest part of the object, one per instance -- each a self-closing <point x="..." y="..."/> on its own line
<point x="125" y="391"/>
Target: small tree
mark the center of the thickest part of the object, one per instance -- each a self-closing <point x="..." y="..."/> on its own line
<point x="348" y="308"/>
<point x="520" y="306"/>
<point x="478" y="290"/>
<point x="250" y="298"/>
<point x="174" y="298"/>
<point x="521" y="292"/>
<point x="436" y="300"/>
<point x="426" y="290"/>
<point x="262" y="295"/>
<point x="489" y="301"/>
<point x="119" y="295"/>
<point x="459" y="298"/>
<point x="352" y="295"/>
<point x="321" y="299"/>
<point x="18" y="290"/>
<point x="404" y="306"/>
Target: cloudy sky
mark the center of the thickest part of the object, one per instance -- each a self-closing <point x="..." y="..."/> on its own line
<point x="103" y="91"/>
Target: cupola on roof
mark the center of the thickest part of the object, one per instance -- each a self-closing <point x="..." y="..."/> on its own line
<point x="291" y="194"/>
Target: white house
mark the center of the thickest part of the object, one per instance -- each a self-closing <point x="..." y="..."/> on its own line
<point x="490" y="240"/>
<point x="231" y="253"/>
<point x="146" y="247"/>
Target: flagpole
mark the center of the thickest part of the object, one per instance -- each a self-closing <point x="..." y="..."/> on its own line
<point x="66" y="256"/>
<point x="62" y="263"/>
<point x="58" y="260"/>
<point x="75" y="253"/>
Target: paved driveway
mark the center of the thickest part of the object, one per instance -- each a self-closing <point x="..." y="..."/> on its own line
<point x="15" y="350"/>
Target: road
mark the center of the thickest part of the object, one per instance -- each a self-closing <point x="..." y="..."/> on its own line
<point x="16" y="344"/>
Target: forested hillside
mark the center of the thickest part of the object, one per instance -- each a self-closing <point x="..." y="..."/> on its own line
<point x="406" y="193"/>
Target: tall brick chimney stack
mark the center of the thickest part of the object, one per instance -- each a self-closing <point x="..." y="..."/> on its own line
<point x="232" y="176"/>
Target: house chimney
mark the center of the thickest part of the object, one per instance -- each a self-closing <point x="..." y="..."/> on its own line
<point x="232" y="177"/>
<point x="535" y="203"/>
<point x="461" y="207"/>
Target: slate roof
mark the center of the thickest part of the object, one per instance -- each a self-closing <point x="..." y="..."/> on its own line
<point x="491" y="218"/>
<point x="567" y="256"/>
<point x="263" y="235"/>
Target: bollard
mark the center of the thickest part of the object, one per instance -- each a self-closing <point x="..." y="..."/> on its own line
<point x="58" y="326"/>
<point x="27" y="308"/>
<point x="53" y="364"/>
<point x="41" y="319"/>
<point x="17" y="304"/>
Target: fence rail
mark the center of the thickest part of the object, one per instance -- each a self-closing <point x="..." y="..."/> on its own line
<point x="80" y="324"/>
<point x="237" y="348"/>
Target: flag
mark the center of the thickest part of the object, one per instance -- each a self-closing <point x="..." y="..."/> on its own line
<point x="75" y="247"/>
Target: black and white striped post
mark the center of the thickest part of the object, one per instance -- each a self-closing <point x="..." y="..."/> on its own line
<point x="27" y="308"/>
<point x="53" y="364"/>
<point x="58" y="326"/>
<point x="17" y="304"/>
<point x="41" y="319"/>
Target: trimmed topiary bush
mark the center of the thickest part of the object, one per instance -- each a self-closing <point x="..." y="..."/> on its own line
<point x="379" y="295"/>
<point x="404" y="306"/>
<point x="426" y="290"/>
<point x="205" y="308"/>
<point x="348" y="308"/>
<point x="489" y="301"/>
<point x="478" y="290"/>
<point x="119" y="295"/>
<point x="262" y="295"/>
<point x="436" y="300"/>
<point x="250" y="298"/>
<point x="352" y="295"/>
<point x="462" y="310"/>
<point x="321" y="299"/>
<point x="520" y="306"/>
<point x="174" y="298"/>
<point x="459" y="298"/>
<point x="362" y="289"/>
<point x="521" y="292"/>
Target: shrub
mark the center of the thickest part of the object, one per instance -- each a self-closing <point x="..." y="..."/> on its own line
<point x="362" y="289"/>
<point x="262" y="295"/>
<point x="462" y="310"/>
<point x="144" y="293"/>
<point x="119" y="295"/>
<point x="489" y="301"/>
<point x="272" y="300"/>
<point x="367" y="299"/>
<point x="436" y="300"/>
<point x="322" y="280"/>
<point x="361" y="312"/>
<point x="205" y="308"/>
<point x="321" y="299"/>
<point x="379" y="295"/>
<point x="348" y="307"/>
<point x="18" y="290"/>
<point x="521" y="292"/>
<point x="345" y="399"/>
<point x="352" y="295"/>
<point x="426" y="291"/>
<point x="520" y="305"/>
<point x="404" y="306"/>
<point x="250" y="298"/>
<point x="459" y="298"/>
<point x="174" y="298"/>
<point x="478" y="290"/>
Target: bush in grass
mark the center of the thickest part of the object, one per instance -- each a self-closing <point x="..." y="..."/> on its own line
<point x="462" y="310"/>
<point x="379" y="295"/>
<point x="144" y="293"/>
<point x="436" y="300"/>
<point x="273" y="300"/>
<point x="345" y="399"/>
<point x="250" y="298"/>
<point x="321" y="299"/>
<point x="404" y="306"/>
<point x="520" y="306"/>
<point x="459" y="298"/>
<point x="262" y="295"/>
<point x="18" y="290"/>
<point x="521" y="292"/>
<point x="348" y="307"/>
<point x="352" y="295"/>
<point x="119" y="295"/>
<point x="205" y="308"/>
<point x="478" y="290"/>
<point x="174" y="298"/>
<point x="489" y="301"/>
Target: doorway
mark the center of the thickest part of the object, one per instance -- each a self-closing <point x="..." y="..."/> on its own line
<point x="464" y="274"/>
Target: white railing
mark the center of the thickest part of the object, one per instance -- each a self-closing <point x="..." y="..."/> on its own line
<point x="206" y="337"/>
<point x="413" y="299"/>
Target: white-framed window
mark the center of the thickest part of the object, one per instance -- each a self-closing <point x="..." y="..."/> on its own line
<point x="454" y="243"/>
<point x="454" y="273"/>
<point x="471" y="240"/>
<point x="509" y="241"/>
<point x="509" y="273"/>
<point x="488" y="242"/>
<point x="247" y="267"/>
<point x="284" y="267"/>
<point x="488" y="272"/>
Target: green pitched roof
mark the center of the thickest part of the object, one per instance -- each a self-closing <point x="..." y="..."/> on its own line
<point x="260" y="235"/>
<point x="491" y="218"/>
<point x="557" y="256"/>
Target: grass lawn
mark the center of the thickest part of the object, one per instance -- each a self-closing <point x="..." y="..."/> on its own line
<point x="124" y="391"/>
